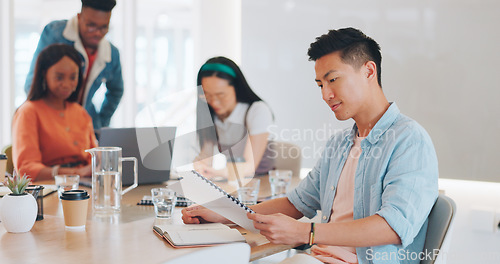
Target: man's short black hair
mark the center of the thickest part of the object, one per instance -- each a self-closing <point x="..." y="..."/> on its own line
<point x="355" y="48"/>
<point x="103" y="5"/>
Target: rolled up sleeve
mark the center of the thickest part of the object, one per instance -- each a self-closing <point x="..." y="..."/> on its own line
<point x="409" y="189"/>
<point x="305" y="197"/>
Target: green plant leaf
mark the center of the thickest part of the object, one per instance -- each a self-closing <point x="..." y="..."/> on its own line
<point x="17" y="185"/>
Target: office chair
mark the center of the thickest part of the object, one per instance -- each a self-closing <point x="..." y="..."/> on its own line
<point x="8" y="152"/>
<point x="234" y="253"/>
<point x="288" y="157"/>
<point x="439" y="228"/>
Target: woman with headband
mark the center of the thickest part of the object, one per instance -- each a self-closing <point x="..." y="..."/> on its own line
<point x="241" y="120"/>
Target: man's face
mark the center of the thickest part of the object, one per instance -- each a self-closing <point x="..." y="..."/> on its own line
<point x="93" y="25"/>
<point x="344" y="89"/>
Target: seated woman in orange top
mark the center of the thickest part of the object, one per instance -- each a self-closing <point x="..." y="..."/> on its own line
<point x="50" y="130"/>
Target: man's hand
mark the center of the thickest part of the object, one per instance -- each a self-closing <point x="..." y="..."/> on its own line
<point x="196" y="214"/>
<point x="281" y="229"/>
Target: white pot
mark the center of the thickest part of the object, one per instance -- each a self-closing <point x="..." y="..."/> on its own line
<point x="18" y="212"/>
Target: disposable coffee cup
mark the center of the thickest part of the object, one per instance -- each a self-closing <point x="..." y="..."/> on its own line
<point x="75" y="204"/>
<point x="3" y="166"/>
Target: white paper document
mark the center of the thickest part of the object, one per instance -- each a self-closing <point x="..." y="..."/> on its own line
<point x="203" y="192"/>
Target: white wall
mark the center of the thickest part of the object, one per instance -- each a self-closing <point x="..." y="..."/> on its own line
<point x="440" y="64"/>
<point x="218" y="31"/>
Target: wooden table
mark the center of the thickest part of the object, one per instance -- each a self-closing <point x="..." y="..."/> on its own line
<point x="126" y="237"/>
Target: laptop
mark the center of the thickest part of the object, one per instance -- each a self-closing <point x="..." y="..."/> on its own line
<point x="152" y="146"/>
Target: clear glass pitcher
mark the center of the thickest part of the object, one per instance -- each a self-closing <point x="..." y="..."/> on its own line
<point x="107" y="178"/>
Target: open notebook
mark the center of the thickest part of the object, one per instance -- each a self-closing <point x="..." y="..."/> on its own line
<point x="198" y="235"/>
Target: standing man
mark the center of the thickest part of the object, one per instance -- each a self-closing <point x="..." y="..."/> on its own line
<point x="375" y="183"/>
<point x="102" y="65"/>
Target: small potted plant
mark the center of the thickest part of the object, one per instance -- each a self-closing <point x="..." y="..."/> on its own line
<point x="18" y="209"/>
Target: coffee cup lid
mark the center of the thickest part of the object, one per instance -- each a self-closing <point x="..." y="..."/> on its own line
<point x="3" y="156"/>
<point x="75" y="195"/>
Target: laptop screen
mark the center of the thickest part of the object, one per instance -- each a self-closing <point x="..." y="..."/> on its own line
<point x="152" y="146"/>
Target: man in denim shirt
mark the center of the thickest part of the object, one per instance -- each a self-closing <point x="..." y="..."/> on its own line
<point x="102" y="65"/>
<point x="374" y="204"/>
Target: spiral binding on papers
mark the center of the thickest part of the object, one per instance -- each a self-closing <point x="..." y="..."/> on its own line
<point x="235" y="200"/>
<point x="181" y="201"/>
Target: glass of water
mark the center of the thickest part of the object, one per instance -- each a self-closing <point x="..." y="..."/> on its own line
<point x="164" y="202"/>
<point x="249" y="193"/>
<point x="280" y="181"/>
<point x="66" y="183"/>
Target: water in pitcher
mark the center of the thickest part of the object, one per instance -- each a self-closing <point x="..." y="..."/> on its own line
<point x="106" y="179"/>
<point x="107" y="193"/>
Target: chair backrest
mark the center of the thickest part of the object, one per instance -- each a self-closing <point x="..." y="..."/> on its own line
<point x="7" y="150"/>
<point x="234" y="253"/>
<point x="288" y="157"/>
<point x="440" y="220"/>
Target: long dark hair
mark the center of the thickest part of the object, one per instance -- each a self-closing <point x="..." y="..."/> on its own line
<point x="236" y="79"/>
<point x="48" y="57"/>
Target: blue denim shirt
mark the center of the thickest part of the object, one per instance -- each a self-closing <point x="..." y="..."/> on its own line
<point x="396" y="178"/>
<point x="66" y="31"/>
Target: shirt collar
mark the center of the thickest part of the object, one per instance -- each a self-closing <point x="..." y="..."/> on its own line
<point x="236" y="115"/>
<point x="380" y="127"/>
<point x="70" y="32"/>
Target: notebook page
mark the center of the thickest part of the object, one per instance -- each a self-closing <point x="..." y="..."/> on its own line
<point x="202" y="193"/>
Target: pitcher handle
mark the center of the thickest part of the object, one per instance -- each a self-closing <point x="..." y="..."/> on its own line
<point x="136" y="178"/>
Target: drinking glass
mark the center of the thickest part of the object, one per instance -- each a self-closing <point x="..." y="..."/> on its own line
<point x="164" y="200"/>
<point x="249" y="193"/>
<point x="280" y="181"/>
<point x="66" y="182"/>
